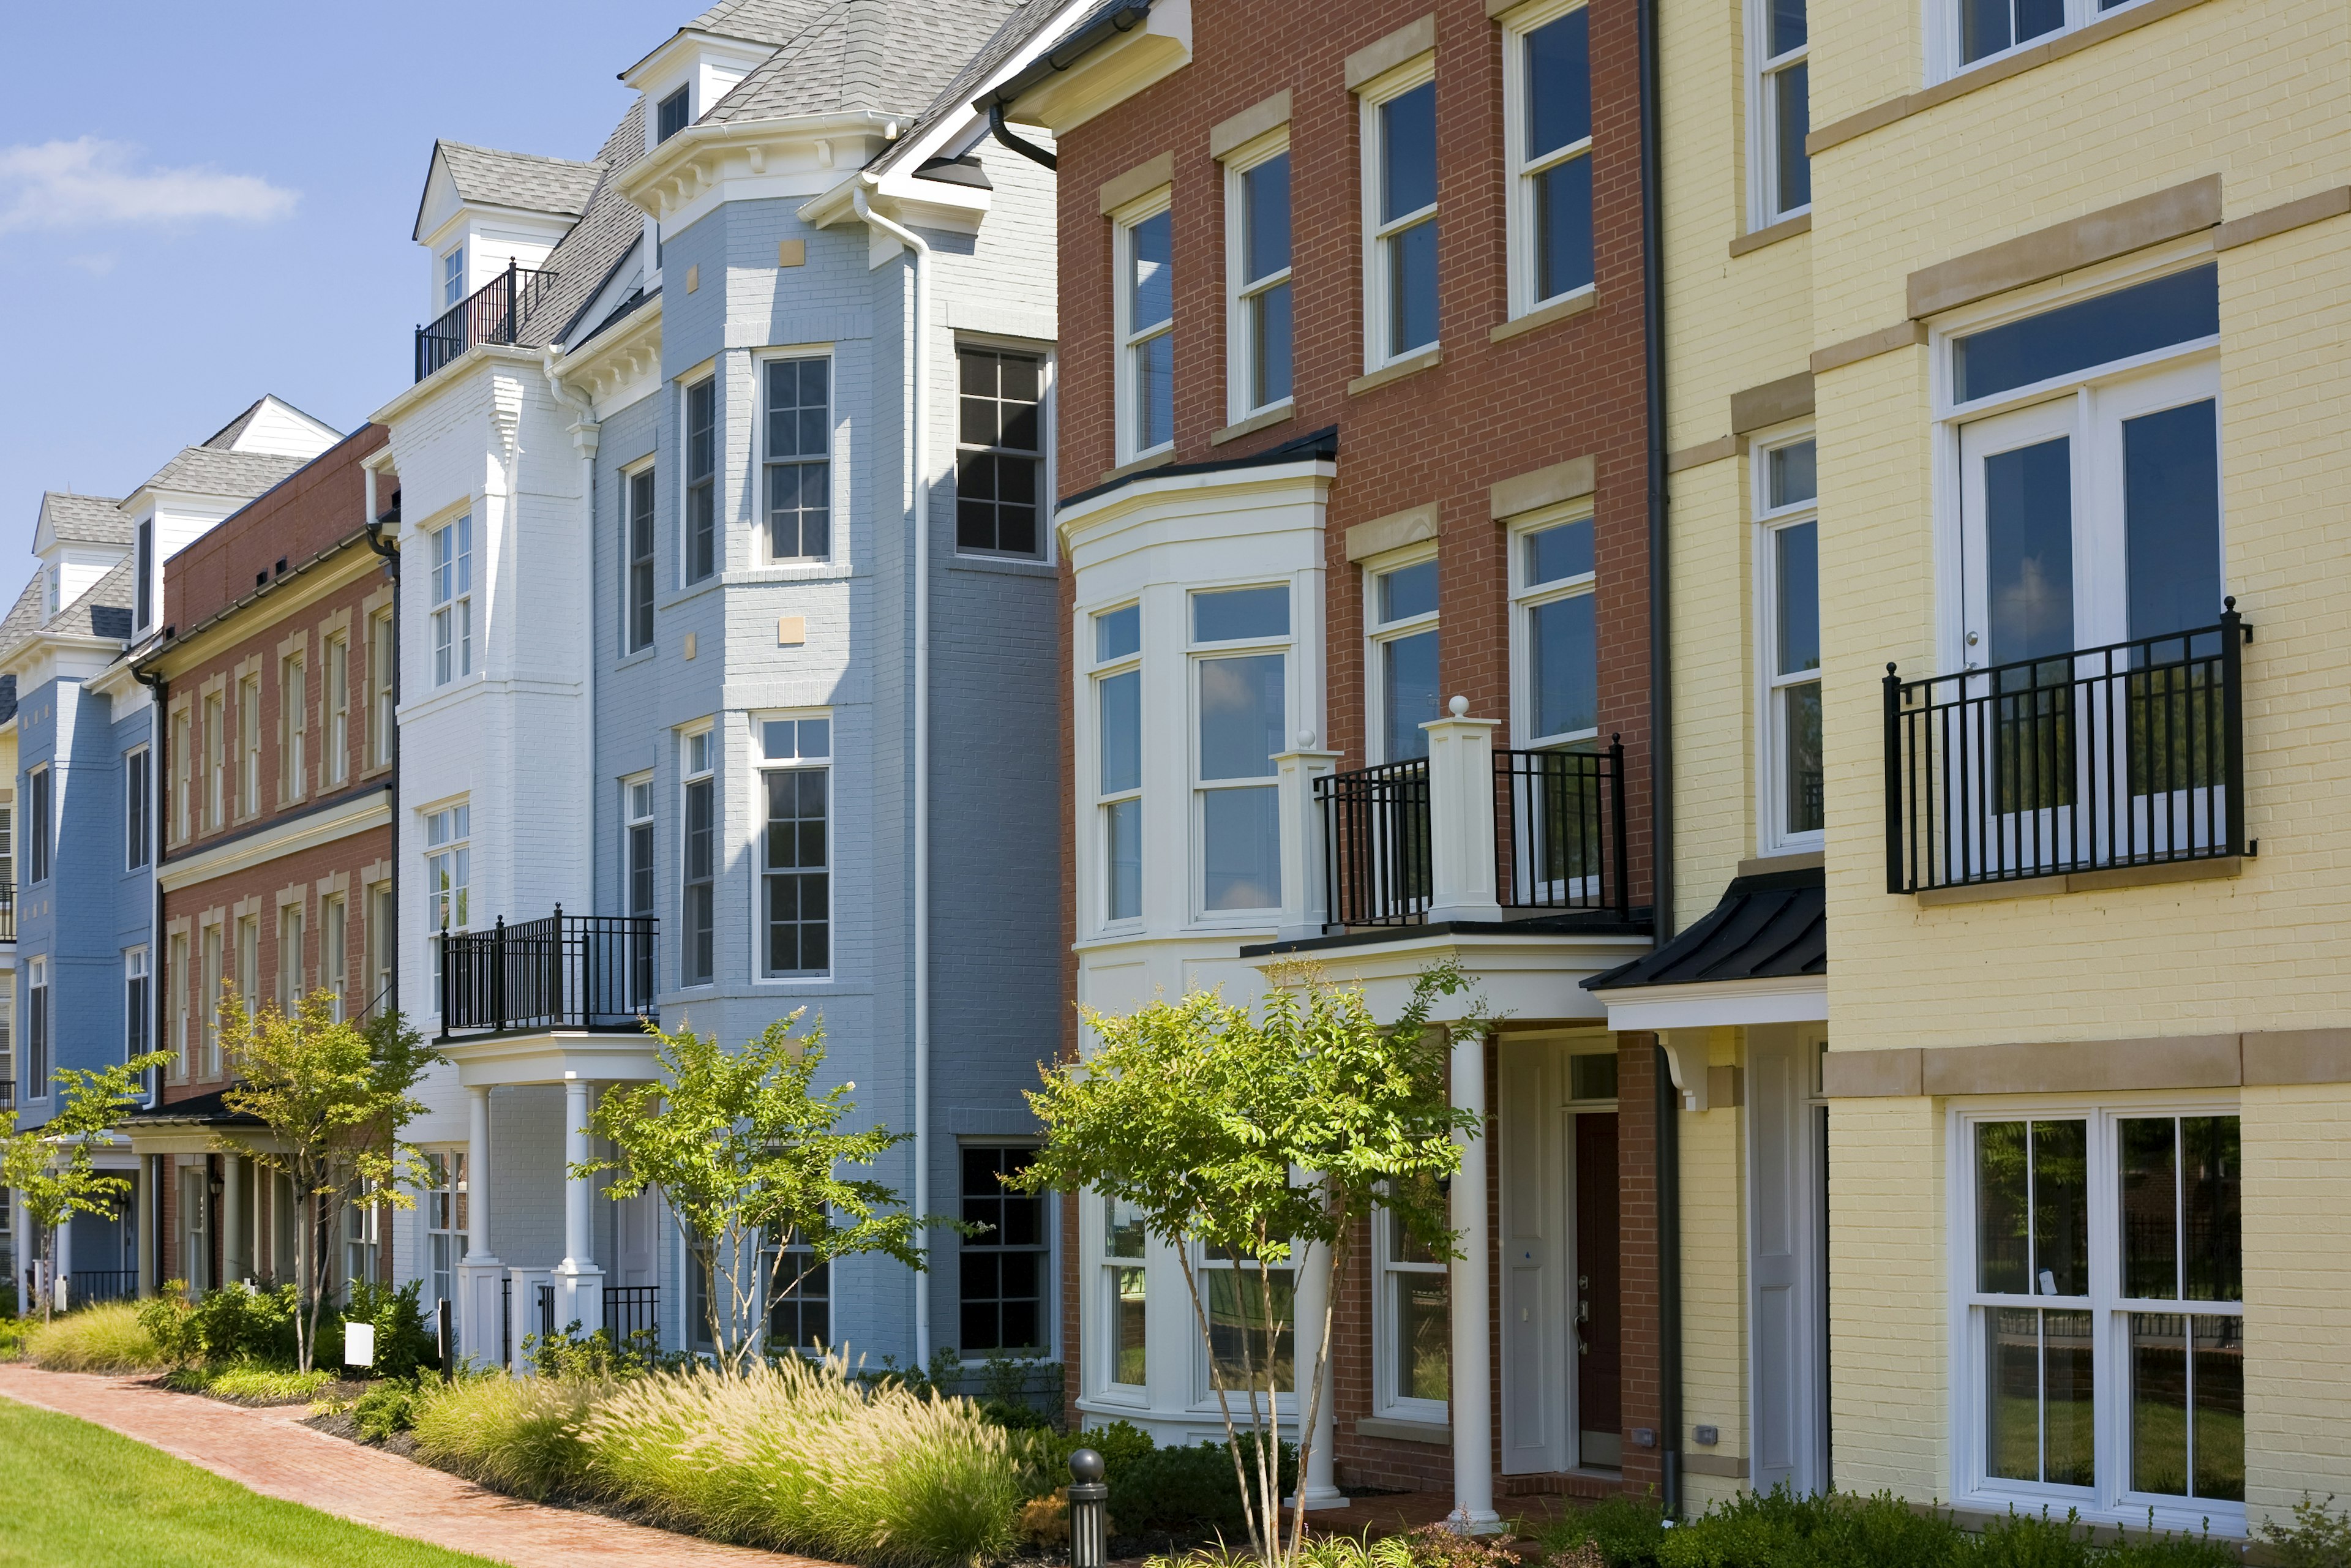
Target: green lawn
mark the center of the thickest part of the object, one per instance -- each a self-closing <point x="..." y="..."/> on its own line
<point x="81" y="1494"/>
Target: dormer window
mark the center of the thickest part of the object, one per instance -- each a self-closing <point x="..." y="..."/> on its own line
<point x="453" y="278"/>
<point x="669" y="118"/>
<point x="56" y="589"/>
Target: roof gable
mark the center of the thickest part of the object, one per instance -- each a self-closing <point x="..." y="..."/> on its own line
<point x="70" y="519"/>
<point x="461" y="176"/>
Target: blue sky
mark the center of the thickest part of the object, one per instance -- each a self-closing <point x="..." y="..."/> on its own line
<point x="200" y="203"/>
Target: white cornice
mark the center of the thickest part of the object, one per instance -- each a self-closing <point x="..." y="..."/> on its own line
<point x="291" y="836"/>
<point x="788" y="156"/>
<point x="695" y="41"/>
<point x="1513" y="978"/>
<point x="441" y="380"/>
<point x="58" y="649"/>
<point x="616" y="359"/>
<point x="552" y="1056"/>
<point x="1109" y="75"/>
<point x="1711" y="1004"/>
<point x="1149" y="498"/>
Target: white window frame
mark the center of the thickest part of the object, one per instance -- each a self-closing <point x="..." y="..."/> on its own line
<point x="1943" y="35"/>
<point x="338" y="695"/>
<point x="1377" y="634"/>
<point x="2110" y="1500"/>
<point x="1525" y="599"/>
<point x="1242" y="292"/>
<point x="40" y="824"/>
<point x="1198" y="788"/>
<point x="447" y="1232"/>
<point x="208" y="996"/>
<point x="648" y="471"/>
<point x="1525" y="271"/>
<point x="382" y="682"/>
<point x="182" y="1045"/>
<point x="1369" y="97"/>
<point x="761" y="765"/>
<point x="1204" y="1389"/>
<point x="1385" y="1401"/>
<point x="453" y="277"/>
<point x="292" y="726"/>
<point x="39" y="1052"/>
<point x="335" y="953"/>
<point x="637" y="816"/>
<point x="1950" y="415"/>
<point x="763" y="460"/>
<point x="138" y="807"/>
<point x="1771" y="731"/>
<point x="1104" y="1268"/>
<point x="452" y="587"/>
<point x="1047" y="362"/>
<point x="694" y="380"/>
<point x="693" y="771"/>
<point x="1131" y="343"/>
<point x="293" y="919"/>
<point x="1763" y="204"/>
<point x="453" y="822"/>
<point x="1089" y="762"/>
<point x="248" y="746"/>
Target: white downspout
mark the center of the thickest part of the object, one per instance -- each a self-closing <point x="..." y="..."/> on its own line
<point x="921" y="550"/>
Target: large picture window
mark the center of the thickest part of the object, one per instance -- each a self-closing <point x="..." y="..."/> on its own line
<point x="798" y="459"/>
<point x="1146" y="333"/>
<point x="1241" y="636"/>
<point x="1547" y="139"/>
<point x="1257" y="267"/>
<point x="1790" y="766"/>
<point x="1003" y="1268"/>
<point x="999" y="452"/>
<point x="697" y="945"/>
<point x="1118" y="779"/>
<point x="796" y="847"/>
<point x="2104" y="1329"/>
<point x="1400" y="217"/>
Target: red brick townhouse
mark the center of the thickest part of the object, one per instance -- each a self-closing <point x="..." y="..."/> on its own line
<point x="274" y="672"/>
<point x="1355" y="501"/>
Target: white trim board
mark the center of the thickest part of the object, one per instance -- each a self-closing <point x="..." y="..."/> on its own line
<point x="1791" y="998"/>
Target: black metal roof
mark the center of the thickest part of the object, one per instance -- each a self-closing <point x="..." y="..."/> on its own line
<point x="1766" y="926"/>
<point x="1318" y="447"/>
<point x="206" y="1110"/>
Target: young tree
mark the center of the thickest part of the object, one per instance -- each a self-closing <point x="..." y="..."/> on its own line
<point x="334" y="1096"/>
<point x="747" y="1158"/>
<point x="51" y="1166"/>
<point x="1201" y="1116"/>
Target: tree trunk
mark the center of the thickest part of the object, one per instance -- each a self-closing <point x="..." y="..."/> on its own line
<point x="48" y="1270"/>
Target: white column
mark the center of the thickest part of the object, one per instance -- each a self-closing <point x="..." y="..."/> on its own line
<point x="143" y="1195"/>
<point x="1461" y="816"/>
<point x="1304" y="901"/>
<point x="1473" y="1368"/>
<point x="579" y="1283"/>
<point x="481" y="1325"/>
<point x="234" y="1263"/>
<point x="1314" y="1296"/>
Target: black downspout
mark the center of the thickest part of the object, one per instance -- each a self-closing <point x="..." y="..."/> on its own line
<point x="391" y="554"/>
<point x="1022" y="145"/>
<point x="1661" y="792"/>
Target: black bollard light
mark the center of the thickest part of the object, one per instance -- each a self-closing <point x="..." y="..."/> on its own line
<point x="1089" y="1502"/>
<point x="444" y="1342"/>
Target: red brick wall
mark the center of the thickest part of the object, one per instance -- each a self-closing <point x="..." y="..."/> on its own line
<point x="324" y="501"/>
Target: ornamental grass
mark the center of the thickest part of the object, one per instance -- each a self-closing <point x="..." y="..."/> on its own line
<point x="515" y="1435"/>
<point x="107" y="1337"/>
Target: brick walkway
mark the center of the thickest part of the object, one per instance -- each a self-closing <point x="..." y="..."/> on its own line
<point x="273" y="1454"/>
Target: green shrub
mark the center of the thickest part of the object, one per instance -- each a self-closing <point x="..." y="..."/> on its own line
<point x="250" y="1382"/>
<point x="1185" y="1491"/>
<point x="388" y="1407"/>
<point x="403" y="1343"/>
<point x="108" y="1337"/>
<point x="517" y="1434"/>
<point x="1046" y="1452"/>
<point x="572" y="1355"/>
<point x="803" y="1456"/>
<point x="13" y="1330"/>
<point x="2316" y="1538"/>
<point x="228" y="1324"/>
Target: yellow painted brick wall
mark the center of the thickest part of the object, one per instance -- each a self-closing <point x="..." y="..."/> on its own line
<point x="2297" y="1145"/>
<point x="1888" y="1399"/>
<point x="1714" y="1278"/>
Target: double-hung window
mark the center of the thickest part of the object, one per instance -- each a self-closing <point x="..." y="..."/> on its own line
<point x="798" y="459"/>
<point x="334" y="955"/>
<point x="637" y="614"/>
<point x="248" y="747"/>
<point x="381" y="689"/>
<point x="1240" y="640"/>
<point x="1556" y="637"/>
<point x="637" y="877"/>
<point x="445" y="1221"/>
<point x="697" y="953"/>
<point x="337" y="696"/>
<point x="1118" y="779"/>
<point x="292" y="726"/>
<point x="796" y="847"/>
<point x="669" y="116"/>
<point x="1547" y="134"/>
<point x="999" y="452"/>
<point x="1003" y="1268"/>
<point x="138" y="807"/>
<point x="800" y="1314"/>
<point x="1252" y="1321"/>
<point x="448" y="878"/>
<point x="138" y="1015"/>
<point x="37" y="826"/>
<point x="248" y="962"/>
<point x="2101" y="1311"/>
<point x="1124" y="1295"/>
<point x="1256" y="267"/>
<point x="1399" y="137"/>
<point x="453" y="278"/>
<point x="381" y="954"/>
<point x="1970" y="31"/>
<point x="452" y="602"/>
<point x="1412" y="1325"/>
<point x="145" y="594"/>
<point x="701" y="479"/>
<point x="36" y="1029"/>
<point x="208" y="1003"/>
<point x="182" y="1045"/>
<point x="289" y="958"/>
<point x="1779" y="94"/>
<point x="1401" y="611"/>
<point x="1790" y="766"/>
<point x="215" y="760"/>
<point x="1147" y="331"/>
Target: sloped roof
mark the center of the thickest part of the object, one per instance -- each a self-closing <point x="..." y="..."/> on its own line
<point x="1028" y="18"/>
<point x="1769" y="926"/>
<point x="24" y="617"/>
<point x="525" y="179"/>
<point x="85" y="519"/>
<point x="875" y="55"/>
<point x="102" y="610"/>
<point x="583" y="260"/>
<point x="209" y="471"/>
<point x="761" y="21"/>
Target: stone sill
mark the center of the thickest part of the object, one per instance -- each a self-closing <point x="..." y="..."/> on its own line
<point x="1435" y="1432"/>
<point x="1395" y="371"/>
<point x="2219" y="867"/>
<point x="1544" y="314"/>
<point x="1264" y="419"/>
<point x="1786" y="228"/>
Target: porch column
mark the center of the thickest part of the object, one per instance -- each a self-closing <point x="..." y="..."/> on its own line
<point x="1461" y="816"/>
<point x="481" y="1323"/>
<point x="579" y="1283"/>
<point x="1473" y="1369"/>
<point x="145" y="1205"/>
<point x="235" y="1264"/>
<point x="1314" y="1296"/>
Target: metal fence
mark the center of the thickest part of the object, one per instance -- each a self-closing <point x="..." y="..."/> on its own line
<point x="494" y="313"/>
<point x="631" y="1310"/>
<point x="1560" y="842"/>
<point x="565" y="971"/>
<point x="1375" y="842"/>
<point x="2128" y="755"/>
<point x="84" y="1286"/>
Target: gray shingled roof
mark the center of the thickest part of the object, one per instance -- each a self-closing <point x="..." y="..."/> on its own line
<point x="85" y="519"/>
<point x="524" y="180"/>
<point x="1028" y="18"/>
<point x="583" y="260"/>
<point x="761" y="21"/>
<point x="889" y="55"/>
<point x="102" y="610"/>
<point x="208" y="471"/>
<point x="24" y="617"/>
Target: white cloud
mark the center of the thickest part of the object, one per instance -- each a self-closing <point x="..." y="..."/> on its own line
<point x="88" y="184"/>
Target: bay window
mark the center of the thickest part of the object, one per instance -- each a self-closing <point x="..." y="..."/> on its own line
<point x="1123" y="1294"/>
<point x="1790" y="765"/>
<point x="1548" y="140"/>
<point x="1145" y="301"/>
<point x="1399" y="135"/>
<point x="796" y="856"/>
<point x="1240" y="638"/>
<point x="1118" y="782"/>
<point x="1252" y="1320"/>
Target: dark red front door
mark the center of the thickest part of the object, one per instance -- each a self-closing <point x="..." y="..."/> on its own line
<point x="1599" y="1332"/>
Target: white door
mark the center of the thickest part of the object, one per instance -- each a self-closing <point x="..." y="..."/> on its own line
<point x="1787" y="1306"/>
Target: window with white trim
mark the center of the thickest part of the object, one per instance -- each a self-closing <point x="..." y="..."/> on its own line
<point x="453" y="278"/>
<point x="1399" y="136"/>
<point x="290" y="977"/>
<point x="1257" y="273"/>
<point x="1252" y="1322"/>
<point x="1126" y="1319"/>
<point x="334" y="953"/>
<point x="800" y="1316"/>
<point x="36" y="1029"/>
<point x="448" y="880"/>
<point x="698" y="956"/>
<point x="215" y="760"/>
<point x="1968" y="33"/>
<point x="1787" y="508"/>
<point x="182" y="1043"/>
<point x="1240" y="640"/>
<point x="208" y="1002"/>
<point x="446" y="1223"/>
<point x="1144" y="243"/>
<point x="337" y="696"/>
<point x="1412" y="1325"/>
<point x="248" y="962"/>
<point x="452" y="602"/>
<point x="637" y="613"/>
<point x="798" y="457"/>
<point x="362" y="1239"/>
<point x="292" y="726"/>
<point x="1547" y="138"/>
<point x="1779" y="113"/>
<point x="1556" y="641"/>
<point x="796" y="847"/>
<point x="2103" y="1327"/>
<point x="138" y="807"/>
<point x="637" y="845"/>
<point x="669" y="116"/>
<point x="701" y="479"/>
<point x="1400" y="612"/>
<point x="1118" y="772"/>
<point x="248" y="746"/>
<point x="382" y="689"/>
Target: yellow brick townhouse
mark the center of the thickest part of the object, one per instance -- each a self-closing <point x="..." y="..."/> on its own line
<point x="2007" y="356"/>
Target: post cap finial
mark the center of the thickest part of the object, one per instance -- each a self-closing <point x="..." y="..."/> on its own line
<point x="1889" y="667"/>
<point x="1459" y="708"/>
<point x="1085" y="1467"/>
<point x="1305" y="739"/>
<point x="2230" y="603"/>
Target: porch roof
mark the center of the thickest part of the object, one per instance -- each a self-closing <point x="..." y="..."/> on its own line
<point x="1769" y="926"/>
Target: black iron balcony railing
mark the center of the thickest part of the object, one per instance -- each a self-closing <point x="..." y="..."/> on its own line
<point x="7" y="912"/>
<point x="1376" y="844"/>
<point x="1560" y="840"/>
<point x="494" y="313"/>
<point x="566" y="971"/>
<point x="2102" y="759"/>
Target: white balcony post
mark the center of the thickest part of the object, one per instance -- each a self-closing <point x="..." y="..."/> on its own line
<point x="1461" y="816"/>
<point x="1304" y="889"/>
<point x="579" y="1283"/>
<point x="1473" y="1370"/>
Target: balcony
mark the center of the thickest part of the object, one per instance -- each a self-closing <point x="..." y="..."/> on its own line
<point x="2112" y="759"/>
<point x="584" y="972"/>
<point x="494" y="313"/>
<point x="1472" y="833"/>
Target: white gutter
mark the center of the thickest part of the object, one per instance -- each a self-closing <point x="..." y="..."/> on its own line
<point x="921" y="552"/>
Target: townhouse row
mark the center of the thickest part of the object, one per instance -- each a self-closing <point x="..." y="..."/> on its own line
<point x="1138" y="495"/>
